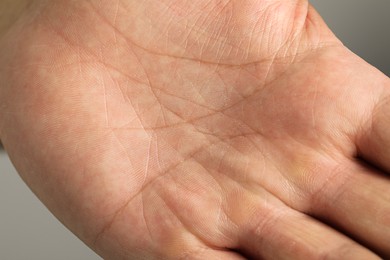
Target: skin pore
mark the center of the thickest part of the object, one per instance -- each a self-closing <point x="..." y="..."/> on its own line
<point x="208" y="129"/>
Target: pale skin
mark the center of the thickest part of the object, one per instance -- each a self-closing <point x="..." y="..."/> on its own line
<point x="210" y="129"/>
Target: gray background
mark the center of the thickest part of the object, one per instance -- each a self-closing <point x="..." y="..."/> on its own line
<point x="363" y="26"/>
<point x="29" y="231"/>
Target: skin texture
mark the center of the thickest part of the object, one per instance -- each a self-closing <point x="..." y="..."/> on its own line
<point x="10" y="11"/>
<point x="210" y="129"/>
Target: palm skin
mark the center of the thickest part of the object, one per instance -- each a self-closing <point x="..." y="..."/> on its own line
<point x="198" y="129"/>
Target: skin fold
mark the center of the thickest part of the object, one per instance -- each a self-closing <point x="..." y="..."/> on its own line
<point x="209" y="129"/>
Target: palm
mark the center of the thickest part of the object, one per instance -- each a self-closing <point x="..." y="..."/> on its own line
<point x="187" y="129"/>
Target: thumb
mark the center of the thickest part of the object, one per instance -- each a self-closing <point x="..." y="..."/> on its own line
<point x="374" y="141"/>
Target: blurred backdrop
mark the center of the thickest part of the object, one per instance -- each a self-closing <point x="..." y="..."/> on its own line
<point x="29" y="231"/>
<point x="363" y="26"/>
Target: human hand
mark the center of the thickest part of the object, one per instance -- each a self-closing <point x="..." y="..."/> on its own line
<point x="210" y="130"/>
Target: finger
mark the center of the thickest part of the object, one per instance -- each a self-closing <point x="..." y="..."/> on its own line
<point x="296" y="236"/>
<point x="358" y="202"/>
<point x="209" y="253"/>
<point x="374" y="141"/>
<point x="280" y="232"/>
